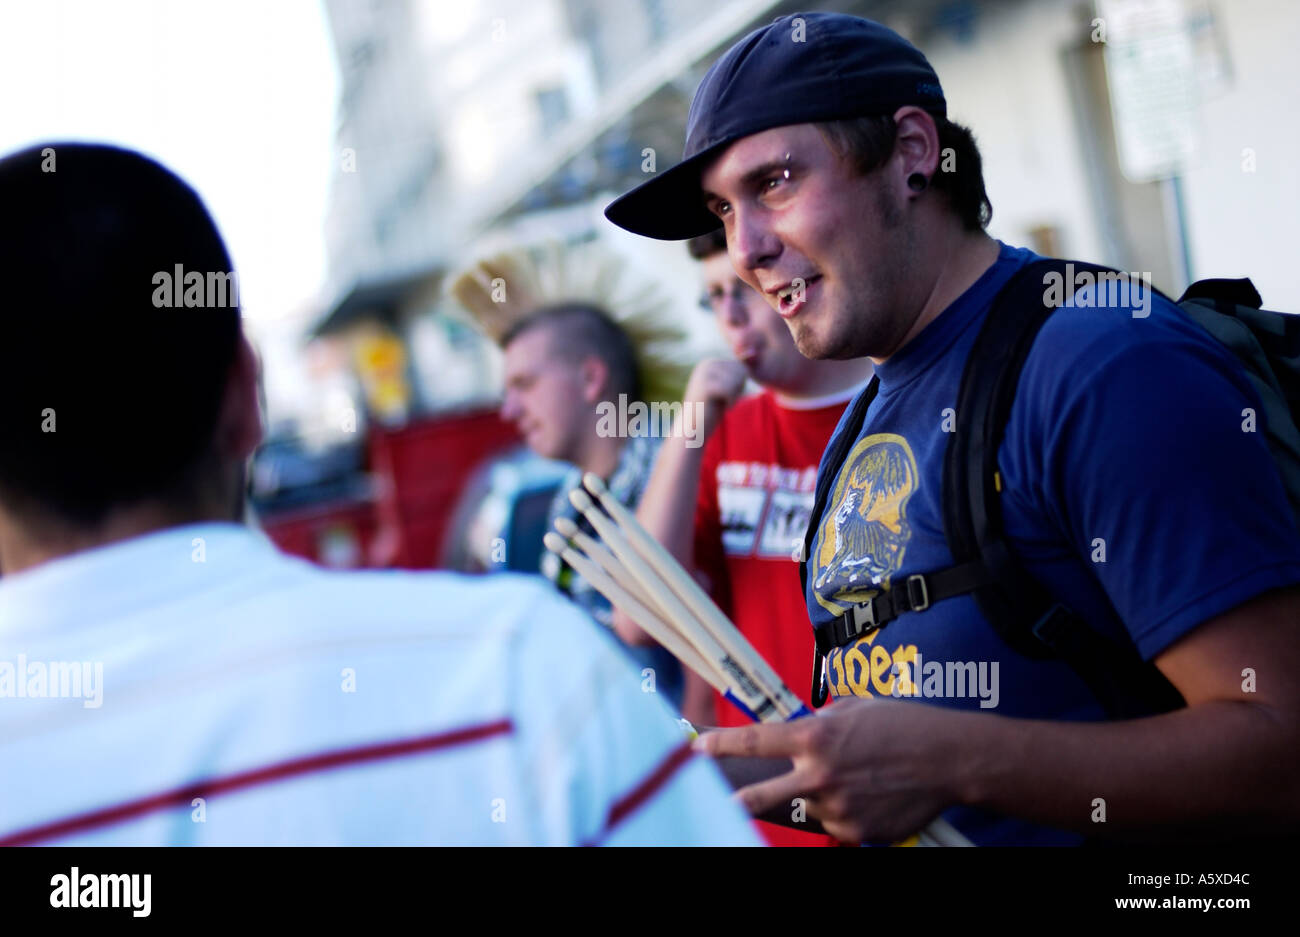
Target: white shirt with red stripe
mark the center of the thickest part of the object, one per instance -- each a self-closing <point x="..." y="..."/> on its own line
<point x="248" y="697"/>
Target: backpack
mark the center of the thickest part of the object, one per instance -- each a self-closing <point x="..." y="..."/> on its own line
<point x="1022" y="612"/>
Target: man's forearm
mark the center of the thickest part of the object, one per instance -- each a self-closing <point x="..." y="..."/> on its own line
<point x="697" y="698"/>
<point x="1214" y="770"/>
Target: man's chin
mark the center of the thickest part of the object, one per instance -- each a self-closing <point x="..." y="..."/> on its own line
<point x="818" y="347"/>
<point x="809" y="343"/>
<point x="540" y="449"/>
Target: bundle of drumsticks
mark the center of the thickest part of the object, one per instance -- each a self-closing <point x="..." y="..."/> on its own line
<point x="644" y="581"/>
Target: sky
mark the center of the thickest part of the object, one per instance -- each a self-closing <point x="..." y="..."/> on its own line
<point x="238" y="97"/>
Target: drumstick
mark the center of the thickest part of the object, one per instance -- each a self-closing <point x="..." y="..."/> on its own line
<point x="696" y="600"/>
<point x="590" y="550"/>
<point x="608" y="562"/>
<point x="752" y="697"/>
<point x="707" y="652"/>
<point x="653" y="625"/>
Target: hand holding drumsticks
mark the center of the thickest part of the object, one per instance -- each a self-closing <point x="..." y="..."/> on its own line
<point x="643" y="580"/>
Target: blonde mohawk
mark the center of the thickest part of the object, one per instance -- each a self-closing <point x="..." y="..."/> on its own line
<point x="505" y="288"/>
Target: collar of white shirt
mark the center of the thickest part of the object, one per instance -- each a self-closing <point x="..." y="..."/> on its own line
<point x="143" y="572"/>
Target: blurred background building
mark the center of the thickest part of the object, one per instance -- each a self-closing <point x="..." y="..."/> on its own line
<point x="1150" y="135"/>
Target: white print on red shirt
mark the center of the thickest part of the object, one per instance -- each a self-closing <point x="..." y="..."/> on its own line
<point x="764" y="508"/>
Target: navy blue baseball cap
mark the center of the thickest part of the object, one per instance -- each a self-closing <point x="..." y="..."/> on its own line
<point x="801" y="68"/>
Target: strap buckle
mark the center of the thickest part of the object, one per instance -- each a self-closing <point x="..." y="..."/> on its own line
<point x="918" y="594"/>
<point x="1053" y="627"/>
<point x="820" y="684"/>
<point x="864" y="617"/>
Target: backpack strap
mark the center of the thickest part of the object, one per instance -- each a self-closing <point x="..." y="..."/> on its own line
<point x="1240" y="292"/>
<point x="919" y="592"/>
<point x="1024" y="614"/>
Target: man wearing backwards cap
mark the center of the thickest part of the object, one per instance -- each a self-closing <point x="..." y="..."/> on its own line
<point x="820" y="143"/>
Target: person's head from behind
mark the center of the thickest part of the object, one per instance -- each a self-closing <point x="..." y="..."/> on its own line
<point x="130" y="392"/>
<point x="840" y="191"/>
<point x="560" y="362"/>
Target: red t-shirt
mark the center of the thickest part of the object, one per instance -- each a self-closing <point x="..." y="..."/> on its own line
<point x="757" y="484"/>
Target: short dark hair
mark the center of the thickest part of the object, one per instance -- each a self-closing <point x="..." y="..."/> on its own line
<point x="110" y="395"/>
<point x="868" y="142"/>
<point x="578" y="330"/>
<point x="707" y="245"/>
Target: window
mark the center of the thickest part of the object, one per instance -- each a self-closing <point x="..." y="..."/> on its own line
<point x="553" y="105"/>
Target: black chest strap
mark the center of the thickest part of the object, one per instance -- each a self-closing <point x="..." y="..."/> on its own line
<point x="914" y="594"/>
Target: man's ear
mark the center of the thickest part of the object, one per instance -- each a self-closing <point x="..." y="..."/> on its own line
<point x="916" y="148"/>
<point x="239" y="425"/>
<point x="593" y="374"/>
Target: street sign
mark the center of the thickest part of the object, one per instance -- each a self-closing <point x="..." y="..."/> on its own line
<point x="1151" y="68"/>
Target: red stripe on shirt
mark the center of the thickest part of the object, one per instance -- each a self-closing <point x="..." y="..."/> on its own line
<point x="626" y="805"/>
<point x="258" y="776"/>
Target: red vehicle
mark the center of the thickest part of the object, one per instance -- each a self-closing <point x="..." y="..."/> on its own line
<point x="393" y="503"/>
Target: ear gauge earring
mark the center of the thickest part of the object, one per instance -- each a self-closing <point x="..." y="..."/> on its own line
<point x="917" y="182"/>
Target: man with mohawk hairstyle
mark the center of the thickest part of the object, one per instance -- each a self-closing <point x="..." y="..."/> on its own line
<point x="581" y="335"/>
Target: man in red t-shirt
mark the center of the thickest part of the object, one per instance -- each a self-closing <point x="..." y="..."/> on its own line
<point x="736" y="509"/>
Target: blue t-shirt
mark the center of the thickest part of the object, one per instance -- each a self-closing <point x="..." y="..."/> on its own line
<point x="1132" y="489"/>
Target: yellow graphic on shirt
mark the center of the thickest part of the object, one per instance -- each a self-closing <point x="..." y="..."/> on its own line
<point x="864" y="532"/>
<point x="861" y="669"/>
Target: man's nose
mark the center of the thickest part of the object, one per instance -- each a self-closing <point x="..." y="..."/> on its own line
<point x="735" y="309"/>
<point x="509" y="408"/>
<point x="751" y="242"/>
